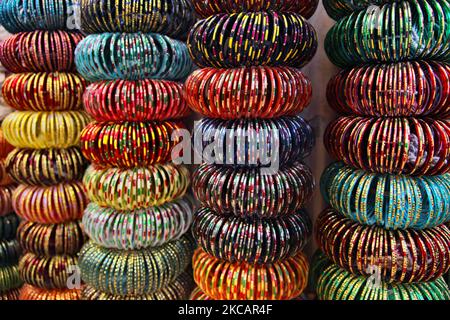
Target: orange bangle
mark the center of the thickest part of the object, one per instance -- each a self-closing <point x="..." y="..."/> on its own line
<point x="30" y="292"/>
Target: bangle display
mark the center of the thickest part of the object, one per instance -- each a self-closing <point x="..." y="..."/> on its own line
<point x="5" y="146"/>
<point x="402" y="30"/>
<point x="416" y="146"/>
<point x="46" y="272"/>
<point x="406" y="255"/>
<point x="46" y="167"/>
<point x="9" y="252"/>
<point x="257" y="241"/>
<point x="389" y="201"/>
<point x="130" y="189"/>
<point x="129" y="144"/>
<point x="30" y="15"/>
<point x="137" y="272"/>
<point x="12" y="294"/>
<point x="285" y="192"/>
<point x="136" y="56"/>
<point x="338" y="284"/>
<point x="6" y="200"/>
<point x="29" y="292"/>
<point x="9" y="278"/>
<point x="40" y="51"/>
<point x="251" y="39"/>
<point x="222" y="280"/>
<point x="255" y="143"/>
<point x="176" y="290"/>
<point x="415" y="88"/>
<point x="254" y="92"/>
<point x="144" y="100"/>
<point x="338" y="9"/>
<point x="43" y="130"/>
<point x="208" y="8"/>
<point x="8" y="226"/>
<point x="53" y="204"/>
<point x="51" y="239"/>
<point x="163" y="16"/>
<point x="56" y="91"/>
<point x="110" y="228"/>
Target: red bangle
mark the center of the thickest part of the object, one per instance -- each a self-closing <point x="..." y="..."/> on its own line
<point x="6" y="200"/>
<point x="142" y="100"/>
<point x="254" y="92"/>
<point x="5" y="147"/>
<point x="5" y="179"/>
<point x="29" y="292"/>
<point x="129" y="144"/>
<point x="12" y="294"/>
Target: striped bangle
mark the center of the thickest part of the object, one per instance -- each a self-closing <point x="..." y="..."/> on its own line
<point x="29" y="292"/>
<point x="9" y="278"/>
<point x="6" y="200"/>
<point x="110" y="228"/>
<point x="9" y="252"/>
<point x="338" y="9"/>
<point x="8" y="226"/>
<point x="12" y="294"/>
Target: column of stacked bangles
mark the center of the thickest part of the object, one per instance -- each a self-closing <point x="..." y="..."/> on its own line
<point x="251" y="228"/>
<point x="140" y="213"/>
<point x="47" y="164"/>
<point x="386" y="234"/>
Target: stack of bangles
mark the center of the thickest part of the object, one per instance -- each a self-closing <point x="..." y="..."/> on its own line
<point x="405" y="256"/>
<point x="392" y="32"/>
<point x="338" y="9"/>
<point x="29" y="292"/>
<point x="415" y="146"/>
<point x="389" y="201"/>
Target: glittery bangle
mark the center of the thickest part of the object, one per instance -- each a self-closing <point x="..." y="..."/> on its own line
<point x="9" y="278"/>
<point x="403" y="30"/>
<point x="256" y="92"/>
<point x="338" y="9"/>
<point x="285" y="192"/>
<point x="257" y="241"/>
<point x="143" y="100"/>
<point x="46" y="272"/>
<point x="8" y="226"/>
<point x="338" y="284"/>
<point x="129" y="144"/>
<point x="223" y="280"/>
<point x="12" y="295"/>
<point x="9" y="252"/>
<point x="176" y="290"/>
<point x="251" y="39"/>
<point x="134" y="272"/>
<point x="43" y="130"/>
<point x="51" y="239"/>
<point x="136" y="56"/>
<point x="6" y="200"/>
<point x="400" y="256"/>
<point x="44" y="91"/>
<point x="416" y="146"/>
<point x="29" y="292"/>
<point x="163" y="16"/>
<point x="40" y="51"/>
<point x="130" y="189"/>
<point x="400" y="89"/>
<point x="207" y="8"/>
<point x="46" y="167"/>
<point x="5" y="146"/>
<point x="157" y="225"/>
<point x="390" y="201"/>
<point x="256" y="143"/>
<point x="54" y="204"/>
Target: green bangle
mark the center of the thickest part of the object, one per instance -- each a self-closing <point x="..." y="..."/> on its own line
<point x="9" y="278"/>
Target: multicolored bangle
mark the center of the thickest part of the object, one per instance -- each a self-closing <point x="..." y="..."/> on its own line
<point x="130" y="189"/>
<point x="176" y="290"/>
<point x="54" y="204"/>
<point x="252" y="38"/>
<point x="46" y="167"/>
<point x="164" y="16"/>
<point x="257" y="241"/>
<point x="29" y="292"/>
<point x="129" y="144"/>
<point x="398" y="256"/>
<point x="402" y="30"/>
<point x="134" y="272"/>
<point x="416" y="146"/>
<point x="389" y="201"/>
<point x="40" y="51"/>
<point x="12" y="294"/>
<point x="338" y="284"/>
<point x="136" y="56"/>
<point x="208" y="8"/>
<point x="6" y="200"/>
<point x="56" y="91"/>
<point x="338" y="9"/>
<point x="51" y="239"/>
<point x="239" y="191"/>
<point x="8" y="226"/>
<point x="110" y="228"/>
<point x="144" y="100"/>
<point x="9" y="278"/>
<point x="44" y="130"/>
<point x="198" y="294"/>
<point x="222" y="280"/>
<point x="255" y="92"/>
<point x="256" y="142"/>
<point x="413" y="88"/>
<point x="46" y="272"/>
<point x="9" y="252"/>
